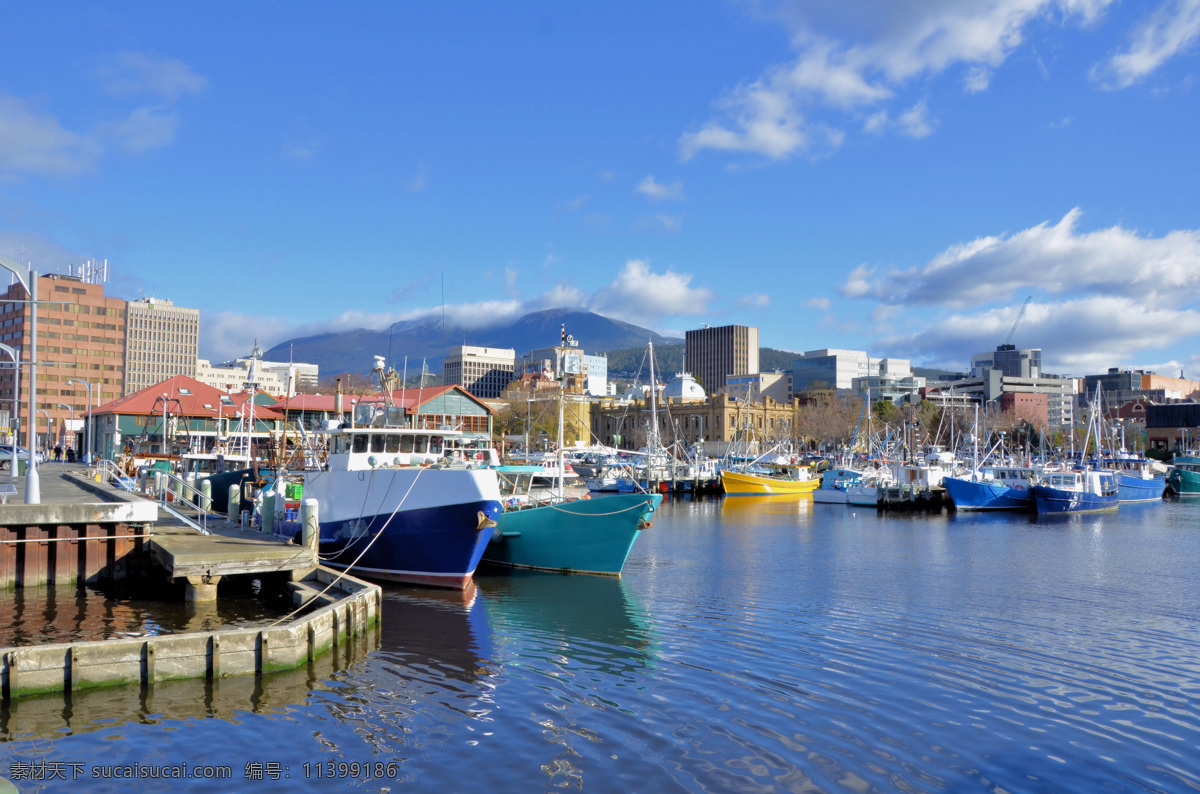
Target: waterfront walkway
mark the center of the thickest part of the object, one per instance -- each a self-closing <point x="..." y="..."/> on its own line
<point x="71" y="496"/>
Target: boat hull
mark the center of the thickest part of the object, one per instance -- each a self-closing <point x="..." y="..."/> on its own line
<point x="1182" y="481"/>
<point x="738" y="483"/>
<point x="1060" y="500"/>
<point x="581" y="536"/>
<point x="985" y="495"/>
<point x="1136" y="489"/>
<point x="830" y="496"/>
<point x="409" y="525"/>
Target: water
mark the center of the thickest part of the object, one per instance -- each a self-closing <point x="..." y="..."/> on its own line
<point x="750" y="646"/>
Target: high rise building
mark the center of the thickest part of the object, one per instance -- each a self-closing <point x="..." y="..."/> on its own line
<point x="713" y="354"/>
<point x="162" y="341"/>
<point x="483" y="371"/>
<point x="80" y="338"/>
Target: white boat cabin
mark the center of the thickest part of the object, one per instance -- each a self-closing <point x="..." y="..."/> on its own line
<point x="365" y="448"/>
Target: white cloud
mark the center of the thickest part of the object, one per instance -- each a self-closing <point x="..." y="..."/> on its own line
<point x="1055" y="259"/>
<point x="136" y="73"/>
<point x="1078" y="337"/>
<point x="145" y="129"/>
<point x="657" y="191"/>
<point x="35" y="143"/>
<point x="643" y="297"/>
<point x="37" y="252"/>
<point x="637" y="295"/>
<point x="879" y="51"/>
<point x="817" y="303"/>
<point x="755" y="300"/>
<point x="1168" y="31"/>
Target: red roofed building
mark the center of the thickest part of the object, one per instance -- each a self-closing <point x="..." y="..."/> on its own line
<point x="196" y="415"/>
<point x="429" y="407"/>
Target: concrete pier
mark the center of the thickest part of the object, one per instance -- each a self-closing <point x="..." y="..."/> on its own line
<point x="85" y="530"/>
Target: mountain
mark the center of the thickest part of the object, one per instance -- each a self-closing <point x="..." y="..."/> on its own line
<point x="423" y="338"/>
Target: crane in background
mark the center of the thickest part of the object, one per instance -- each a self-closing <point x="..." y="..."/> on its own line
<point x="1016" y="322"/>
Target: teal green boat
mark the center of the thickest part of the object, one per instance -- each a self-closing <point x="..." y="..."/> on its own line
<point x="1184" y="478"/>
<point x="590" y="535"/>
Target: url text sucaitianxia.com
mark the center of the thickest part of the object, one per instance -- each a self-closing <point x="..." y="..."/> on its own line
<point x="72" y="770"/>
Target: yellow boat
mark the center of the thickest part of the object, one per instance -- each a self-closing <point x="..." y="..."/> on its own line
<point x="791" y="480"/>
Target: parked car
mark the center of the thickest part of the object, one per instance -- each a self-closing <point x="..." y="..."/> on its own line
<point x="22" y="454"/>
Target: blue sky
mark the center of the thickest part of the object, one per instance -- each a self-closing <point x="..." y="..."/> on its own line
<point x="897" y="176"/>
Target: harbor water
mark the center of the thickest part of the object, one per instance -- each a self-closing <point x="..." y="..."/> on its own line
<point x="751" y="646"/>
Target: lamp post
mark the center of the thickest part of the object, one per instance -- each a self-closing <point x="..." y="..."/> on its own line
<point x="16" y="404"/>
<point x="70" y="408"/>
<point x="87" y="455"/>
<point x="29" y="280"/>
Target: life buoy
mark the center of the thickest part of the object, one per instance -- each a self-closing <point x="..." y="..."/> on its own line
<point x="479" y="455"/>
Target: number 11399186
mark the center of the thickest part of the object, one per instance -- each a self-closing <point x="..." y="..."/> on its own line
<point x="344" y="770"/>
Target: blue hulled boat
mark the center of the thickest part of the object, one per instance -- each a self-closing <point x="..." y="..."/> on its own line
<point x="1135" y="480"/>
<point x="994" y="488"/>
<point x="591" y="535"/>
<point x="1076" y="492"/>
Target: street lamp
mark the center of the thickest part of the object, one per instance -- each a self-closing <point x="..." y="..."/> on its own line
<point x="87" y="456"/>
<point x="70" y="408"/>
<point x="29" y="280"/>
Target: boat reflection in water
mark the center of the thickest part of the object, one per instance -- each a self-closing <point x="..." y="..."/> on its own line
<point x="766" y="510"/>
<point x="598" y="618"/>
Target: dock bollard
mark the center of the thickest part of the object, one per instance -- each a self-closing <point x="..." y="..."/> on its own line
<point x="310" y="526"/>
<point x="206" y="494"/>
<point x="234" y="506"/>
<point x="158" y="484"/>
<point x="143" y="476"/>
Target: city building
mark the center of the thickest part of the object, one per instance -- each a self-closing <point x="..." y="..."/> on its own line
<point x="754" y="386"/>
<point x="1012" y="362"/>
<point x="162" y="340"/>
<point x="893" y="382"/>
<point x="1173" y="427"/>
<point x="713" y="354"/>
<point x="232" y="377"/>
<point x="1120" y="386"/>
<point x="81" y="339"/>
<point x="483" y="371"/>
<point x="717" y="421"/>
<point x="1060" y="393"/>
<point x="837" y="369"/>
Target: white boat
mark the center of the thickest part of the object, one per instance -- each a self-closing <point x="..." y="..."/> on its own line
<point x="392" y="506"/>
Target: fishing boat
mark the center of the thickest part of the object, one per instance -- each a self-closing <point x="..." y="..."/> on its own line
<point x="769" y="479"/>
<point x="589" y="535"/>
<point x="392" y="506"/>
<point x="1085" y="491"/>
<point x="556" y="533"/>
<point x="994" y="488"/>
<point x="1136" y="479"/>
<point x="835" y="484"/>
<point x="1184" y="477"/>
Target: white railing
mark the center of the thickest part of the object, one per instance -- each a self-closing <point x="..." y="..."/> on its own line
<point x="112" y="472"/>
<point x="183" y="491"/>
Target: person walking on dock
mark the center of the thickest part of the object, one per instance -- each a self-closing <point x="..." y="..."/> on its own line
<point x="57" y="453"/>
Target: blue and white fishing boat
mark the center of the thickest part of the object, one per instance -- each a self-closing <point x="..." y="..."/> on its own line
<point x="1136" y="479"/>
<point x="994" y="488"/>
<point x="392" y="506"/>
<point x="1084" y="491"/>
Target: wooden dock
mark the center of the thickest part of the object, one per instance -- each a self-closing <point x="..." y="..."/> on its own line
<point x="85" y="530"/>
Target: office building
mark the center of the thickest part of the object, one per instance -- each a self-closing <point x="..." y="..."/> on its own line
<point x="713" y="354"/>
<point x="837" y="369"/>
<point x="483" y="371"/>
<point x="81" y="337"/>
<point x="162" y="341"/>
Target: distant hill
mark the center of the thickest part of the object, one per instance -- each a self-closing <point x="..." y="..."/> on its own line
<point x="354" y="351"/>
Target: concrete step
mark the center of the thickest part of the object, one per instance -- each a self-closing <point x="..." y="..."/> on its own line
<point x="304" y="593"/>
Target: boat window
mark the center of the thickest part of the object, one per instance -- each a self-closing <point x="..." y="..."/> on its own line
<point x="435" y="445"/>
<point x="406" y="444"/>
<point x="360" y="442"/>
<point x="422" y="444"/>
<point x="393" y="444"/>
<point x="377" y="442"/>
